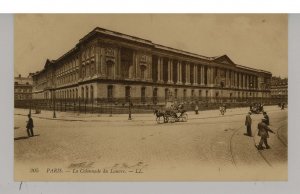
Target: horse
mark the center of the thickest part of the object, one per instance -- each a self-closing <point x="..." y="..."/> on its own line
<point x="159" y="114"/>
<point x="222" y="110"/>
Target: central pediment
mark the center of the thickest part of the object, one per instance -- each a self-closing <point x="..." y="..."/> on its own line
<point x="224" y="59"/>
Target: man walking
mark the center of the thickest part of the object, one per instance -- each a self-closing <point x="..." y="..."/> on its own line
<point x="266" y="116"/>
<point x="248" y="123"/>
<point x="29" y="126"/>
<point x="263" y="130"/>
<point x="196" y="109"/>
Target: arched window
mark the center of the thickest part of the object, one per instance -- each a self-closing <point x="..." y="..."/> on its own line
<point x="143" y="72"/>
<point x="87" y="93"/>
<point x="82" y="92"/>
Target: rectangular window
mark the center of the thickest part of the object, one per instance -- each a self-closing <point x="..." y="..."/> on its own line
<point x="127" y="93"/>
<point x="175" y="93"/>
<point x="110" y="93"/>
<point x="184" y="94"/>
<point x="143" y="94"/>
<point x="154" y="95"/>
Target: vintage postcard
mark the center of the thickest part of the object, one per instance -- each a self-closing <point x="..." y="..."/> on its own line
<point x="151" y="97"/>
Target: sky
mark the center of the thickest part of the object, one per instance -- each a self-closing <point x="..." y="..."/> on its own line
<point x="255" y="40"/>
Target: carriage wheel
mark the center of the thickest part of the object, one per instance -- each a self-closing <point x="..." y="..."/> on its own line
<point x="160" y="120"/>
<point x="172" y="120"/>
<point x="166" y="119"/>
<point x="184" y="117"/>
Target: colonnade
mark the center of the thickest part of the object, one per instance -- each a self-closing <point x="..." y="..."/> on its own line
<point x="205" y="75"/>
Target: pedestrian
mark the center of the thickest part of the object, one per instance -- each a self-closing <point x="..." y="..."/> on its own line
<point x="282" y="106"/>
<point x="225" y="107"/>
<point x="263" y="132"/>
<point x="266" y="116"/>
<point x="196" y="109"/>
<point x="248" y="123"/>
<point x="29" y="126"/>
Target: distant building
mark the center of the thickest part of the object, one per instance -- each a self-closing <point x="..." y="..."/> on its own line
<point x="279" y="88"/>
<point x="23" y="87"/>
<point x="107" y="65"/>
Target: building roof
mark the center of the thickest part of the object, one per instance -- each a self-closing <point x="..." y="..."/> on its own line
<point x="19" y="80"/>
<point x="220" y="59"/>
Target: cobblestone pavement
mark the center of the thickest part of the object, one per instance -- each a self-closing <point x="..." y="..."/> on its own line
<point x="207" y="147"/>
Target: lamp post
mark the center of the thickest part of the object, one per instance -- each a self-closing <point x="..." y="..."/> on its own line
<point x="54" y="113"/>
<point x="30" y="105"/>
<point x="129" y="108"/>
<point x="110" y="102"/>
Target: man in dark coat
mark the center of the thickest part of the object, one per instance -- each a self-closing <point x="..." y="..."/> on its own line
<point x="266" y="116"/>
<point x="29" y="126"/>
<point x="248" y="123"/>
<point x="263" y="130"/>
<point x="282" y="106"/>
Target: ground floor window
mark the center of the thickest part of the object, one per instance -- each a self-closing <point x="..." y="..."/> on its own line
<point x="127" y="93"/>
<point x="184" y="94"/>
<point x="143" y="94"/>
<point x="155" y="95"/>
<point x="110" y="93"/>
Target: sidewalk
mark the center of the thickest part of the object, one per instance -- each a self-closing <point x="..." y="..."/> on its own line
<point x="72" y="116"/>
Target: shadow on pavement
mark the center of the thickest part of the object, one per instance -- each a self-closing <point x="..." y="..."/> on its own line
<point x="25" y="137"/>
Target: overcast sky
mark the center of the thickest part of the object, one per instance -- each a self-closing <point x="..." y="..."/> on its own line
<point x="257" y="41"/>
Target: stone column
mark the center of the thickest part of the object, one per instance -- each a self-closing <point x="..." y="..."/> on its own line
<point x="201" y="75"/>
<point x="212" y="76"/>
<point x="208" y="76"/>
<point x="179" y="76"/>
<point x="158" y="70"/>
<point x="97" y="71"/>
<point x="232" y="80"/>
<point x="161" y="69"/>
<point x="226" y="78"/>
<point x="195" y="74"/>
<point x="170" y="71"/>
<point x="149" y="69"/>
<point x="187" y="74"/>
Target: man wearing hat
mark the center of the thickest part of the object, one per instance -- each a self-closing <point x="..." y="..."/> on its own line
<point x="29" y="126"/>
<point x="248" y="123"/>
<point x="263" y="130"/>
<point x="266" y="116"/>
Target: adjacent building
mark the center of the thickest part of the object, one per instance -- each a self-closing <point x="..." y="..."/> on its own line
<point x="279" y="88"/>
<point x="23" y="87"/>
<point x="106" y="65"/>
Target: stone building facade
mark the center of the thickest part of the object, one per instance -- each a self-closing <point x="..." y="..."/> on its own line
<point x="107" y="65"/>
<point x="279" y="88"/>
<point x="23" y="88"/>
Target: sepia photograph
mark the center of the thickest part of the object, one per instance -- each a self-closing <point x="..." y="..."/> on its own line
<point x="151" y="97"/>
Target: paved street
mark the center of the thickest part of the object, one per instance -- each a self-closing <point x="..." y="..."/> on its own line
<point x="207" y="147"/>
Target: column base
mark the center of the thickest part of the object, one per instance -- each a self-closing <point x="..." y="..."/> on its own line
<point x="170" y="82"/>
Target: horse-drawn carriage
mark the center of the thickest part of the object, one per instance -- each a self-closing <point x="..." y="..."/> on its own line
<point x="257" y="108"/>
<point x="173" y="113"/>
